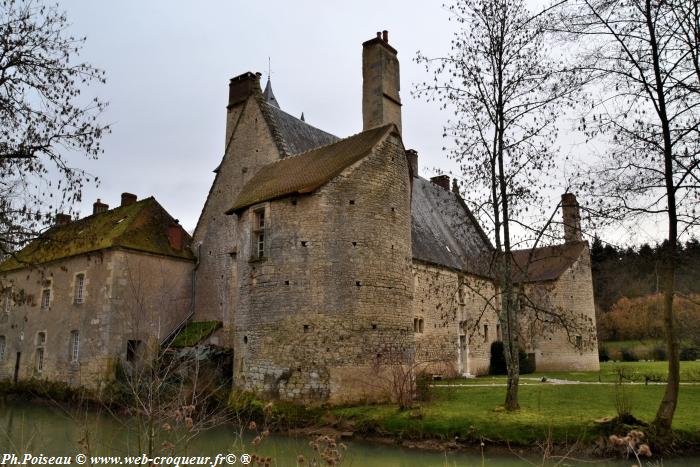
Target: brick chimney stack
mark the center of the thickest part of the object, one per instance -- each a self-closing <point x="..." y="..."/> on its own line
<point x="62" y="219"/>
<point x="381" y="103"/>
<point x="572" y="218"/>
<point x="128" y="199"/>
<point x="443" y="181"/>
<point x="98" y="207"/>
<point x="176" y="235"/>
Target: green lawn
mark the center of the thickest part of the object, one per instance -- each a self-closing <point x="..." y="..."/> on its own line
<point x="569" y="411"/>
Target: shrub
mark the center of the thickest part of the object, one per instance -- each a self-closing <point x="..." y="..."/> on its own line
<point x="658" y="353"/>
<point x="629" y="356"/>
<point x="497" y="365"/>
<point x="689" y="354"/>
<point x="603" y="355"/>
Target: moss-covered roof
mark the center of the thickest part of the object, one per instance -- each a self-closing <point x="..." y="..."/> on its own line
<point x="141" y="226"/>
<point x="308" y="171"/>
<point x="195" y="332"/>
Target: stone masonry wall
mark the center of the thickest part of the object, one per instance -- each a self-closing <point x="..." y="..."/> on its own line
<point x="249" y="146"/>
<point x="99" y="319"/>
<point x="330" y="307"/>
<point x="454" y="309"/>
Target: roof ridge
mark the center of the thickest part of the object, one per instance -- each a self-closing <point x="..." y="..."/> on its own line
<point x="293" y="156"/>
<point x="302" y="121"/>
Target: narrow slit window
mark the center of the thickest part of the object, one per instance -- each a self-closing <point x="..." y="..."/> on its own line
<point x="579" y="342"/>
<point x="420" y="325"/>
<point x="2" y="348"/>
<point x="259" y="233"/>
<point x="74" y="346"/>
<point x="133" y="350"/>
<point x="46" y="297"/>
<point x="39" y="364"/>
<point x="79" y="296"/>
<point x="486" y="332"/>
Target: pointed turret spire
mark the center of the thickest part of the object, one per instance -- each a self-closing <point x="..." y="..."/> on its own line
<point x="269" y="95"/>
<point x="302" y="117"/>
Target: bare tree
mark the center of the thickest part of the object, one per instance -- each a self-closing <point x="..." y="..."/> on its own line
<point x="645" y="106"/>
<point x="505" y="93"/>
<point x="46" y="122"/>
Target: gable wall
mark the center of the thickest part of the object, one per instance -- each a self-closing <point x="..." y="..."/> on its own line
<point x="249" y="147"/>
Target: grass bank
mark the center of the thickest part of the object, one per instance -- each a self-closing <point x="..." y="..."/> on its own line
<point x="563" y="413"/>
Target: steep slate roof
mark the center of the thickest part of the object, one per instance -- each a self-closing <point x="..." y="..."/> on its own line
<point x="547" y="263"/>
<point x="444" y="232"/>
<point x="306" y="172"/>
<point x="295" y="135"/>
<point x="298" y="135"/>
<point x="141" y="226"/>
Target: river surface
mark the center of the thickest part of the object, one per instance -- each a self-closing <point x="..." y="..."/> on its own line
<point x="27" y="427"/>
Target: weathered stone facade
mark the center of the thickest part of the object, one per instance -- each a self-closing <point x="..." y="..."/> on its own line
<point x="126" y="295"/>
<point x="337" y="261"/>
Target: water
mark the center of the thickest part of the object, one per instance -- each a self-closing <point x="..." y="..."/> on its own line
<point x="44" y="429"/>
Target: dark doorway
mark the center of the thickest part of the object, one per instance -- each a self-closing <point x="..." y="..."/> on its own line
<point x="19" y="355"/>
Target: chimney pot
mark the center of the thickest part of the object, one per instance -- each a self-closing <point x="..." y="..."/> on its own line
<point x="128" y="199"/>
<point x="98" y="207"/>
<point x="455" y="187"/>
<point x="379" y="35"/>
<point x="443" y="181"/>
<point x="62" y="219"/>
<point x="571" y="215"/>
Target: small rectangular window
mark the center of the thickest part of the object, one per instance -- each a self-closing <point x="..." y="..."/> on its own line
<point x="259" y="231"/>
<point x="579" y="342"/>
<point x="498" y="332"/>
<point x="79" y="288"/>
<point x="486" y="332"/>
<point x="2" y="348"/>
<point x="40" y="339"/>
<point x="415" y="324"/>
<point x="420" y="325"/>
<point x="7" y="299"/>
<point x="39" y="363"/>
<point x="45" y="299"/>
<point x="74" y="346"/>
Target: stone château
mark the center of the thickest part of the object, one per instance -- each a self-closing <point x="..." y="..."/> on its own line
<point x="327" y="262"/>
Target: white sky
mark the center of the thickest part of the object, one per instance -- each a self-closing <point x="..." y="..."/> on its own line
<point x="168" y="64"/>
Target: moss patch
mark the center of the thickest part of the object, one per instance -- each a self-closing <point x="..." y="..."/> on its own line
<point x="194" y="333"/>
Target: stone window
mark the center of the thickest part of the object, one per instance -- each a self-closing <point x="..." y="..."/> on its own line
<point x="486" y="332"/>
<point x="46" y="296"/>
<point x="7" y="299"/>
<point x="134" y="348"/>
<point x="40" y="339"/>
<point x="79" y="295"/>
<point x="2" y="348"/>
<point x="579" y="342"/>
<point x="498" y="332"/>
<point x="259" y="234"/>
<point x="418" y="325"/>
<point x="74" y="349"/>
<point x="39" y="360"/>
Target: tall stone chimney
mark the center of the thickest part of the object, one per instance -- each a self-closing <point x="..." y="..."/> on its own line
<point x="572" y="218"/>
<point x="381" y="103"/>
<point x="412" y="156"/>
